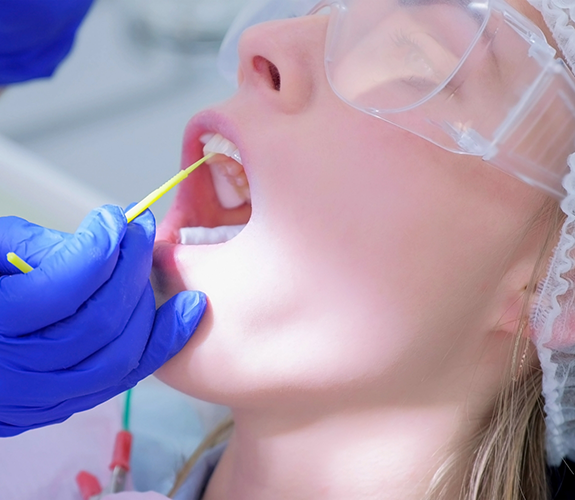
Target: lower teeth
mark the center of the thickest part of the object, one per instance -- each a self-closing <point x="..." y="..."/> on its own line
<point x="208" y="235"/>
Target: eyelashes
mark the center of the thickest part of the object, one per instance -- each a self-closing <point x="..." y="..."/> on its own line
<point x="423" y="55"/>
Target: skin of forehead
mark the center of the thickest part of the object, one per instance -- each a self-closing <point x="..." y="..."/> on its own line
<point x="521" y="6"/>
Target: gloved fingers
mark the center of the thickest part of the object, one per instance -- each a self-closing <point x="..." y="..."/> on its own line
<point x="105" y="368"/>
<point x="100" y="320"/>
<point x="176" y="321"/>
<point x="19" y="420"/>
<point x="16" y="419"/>
<point x="65" y="279"/>
<point x="117" y="368"/>
<point x="27" y="240"/>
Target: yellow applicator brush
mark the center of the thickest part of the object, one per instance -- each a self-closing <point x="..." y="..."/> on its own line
<point x="19" y="263"/>
<point x="134" y="211"/>
<point x="163" y="189"/>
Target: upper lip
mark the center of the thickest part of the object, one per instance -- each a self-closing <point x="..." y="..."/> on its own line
<point x="213" y="122"/>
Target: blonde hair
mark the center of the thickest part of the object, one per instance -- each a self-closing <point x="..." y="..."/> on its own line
<point x="220" y="434"/>
<point x="508" y="460"/>
<point x="508" y="455"/>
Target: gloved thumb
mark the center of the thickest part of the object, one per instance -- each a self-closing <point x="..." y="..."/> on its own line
<point x="176" y="321"/>
<point x="181" y="316"/>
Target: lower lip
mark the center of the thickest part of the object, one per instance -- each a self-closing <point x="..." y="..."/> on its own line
<point x="164" y="255"/>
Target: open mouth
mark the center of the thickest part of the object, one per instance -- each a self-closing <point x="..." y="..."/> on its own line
<point x="216" y="200"/>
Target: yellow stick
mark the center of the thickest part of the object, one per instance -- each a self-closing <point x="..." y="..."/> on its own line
<point x="163" y="189"/>
<point x="131" y="214"/>
<point x="21" y="264"/>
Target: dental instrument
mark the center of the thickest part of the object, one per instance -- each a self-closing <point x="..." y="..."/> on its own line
<point x="89" y="485"/>
<point x="163" y="189"/>
<point x="18" y="262"/>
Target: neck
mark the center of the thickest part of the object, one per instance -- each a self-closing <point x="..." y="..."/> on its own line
<point x="340" y="456"/>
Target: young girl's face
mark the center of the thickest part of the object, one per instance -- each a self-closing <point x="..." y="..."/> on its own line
<point x="371" y="258"/>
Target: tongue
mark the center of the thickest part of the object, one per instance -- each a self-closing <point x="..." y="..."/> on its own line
<point x="208" y="235"/>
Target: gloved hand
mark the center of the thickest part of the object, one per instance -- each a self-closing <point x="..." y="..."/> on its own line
<point x="82" y="327"/>
<point x="35" y="35"/>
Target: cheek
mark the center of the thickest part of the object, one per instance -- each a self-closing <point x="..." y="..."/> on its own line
<point x="373" y="216"/>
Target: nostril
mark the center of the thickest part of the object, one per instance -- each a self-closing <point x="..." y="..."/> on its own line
<point x="275" y="75"/>
<point x="268" y="69"/>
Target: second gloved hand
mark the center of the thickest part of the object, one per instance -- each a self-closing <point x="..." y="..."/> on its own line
<point x="82" y="327"/>
<point x="35" y="35"/>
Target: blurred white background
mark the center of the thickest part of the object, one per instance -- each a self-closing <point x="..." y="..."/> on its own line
<point x="108" y="126"/>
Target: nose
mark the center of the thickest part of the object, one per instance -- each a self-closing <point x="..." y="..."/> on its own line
<point x="283" y="60"/>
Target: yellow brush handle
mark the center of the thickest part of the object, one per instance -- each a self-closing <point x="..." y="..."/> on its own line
<point x="163" y="189"/>
<point x="131" y="214"/>
<point x="21" y="264"/>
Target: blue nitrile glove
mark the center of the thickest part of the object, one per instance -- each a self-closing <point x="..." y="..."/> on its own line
<point x="82" y="327"/>
<point x="35" y="35"/>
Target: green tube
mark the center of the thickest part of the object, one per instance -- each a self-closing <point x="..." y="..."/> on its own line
<point x="127" y="405"/>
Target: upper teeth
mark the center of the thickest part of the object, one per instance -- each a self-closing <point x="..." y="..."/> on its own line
<point x="215" y="143"/>
<point x="230" y="182"/>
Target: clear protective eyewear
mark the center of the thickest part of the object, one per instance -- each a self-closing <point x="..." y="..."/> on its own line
<point x="474" y="77"/>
